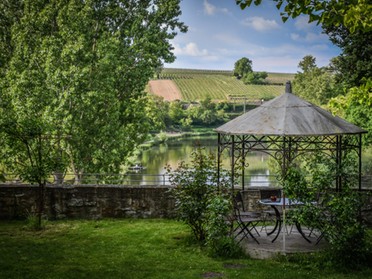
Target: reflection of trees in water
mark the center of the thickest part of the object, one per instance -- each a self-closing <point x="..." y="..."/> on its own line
<point x="155" y="159"/>
<point x="172" y="153"/>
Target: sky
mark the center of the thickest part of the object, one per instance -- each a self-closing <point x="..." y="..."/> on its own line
<point x="220" y="33"/>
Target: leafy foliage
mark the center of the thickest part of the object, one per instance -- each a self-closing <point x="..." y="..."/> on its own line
<point x="307" y="63"/>
<point x="219" y="235"/>
<point x="80" y="68"/>
<point x="206" y="113"/>
<point x="356" y="106"/>
<point x="255" y="78"/>
<point x="354" y="64"/>
<point x="202" y="199"/>
<point x="181" y="116"/>
<point x="242" y="67"/>
<point x="33" y="155"/>
<point x="336" y="213"/>
<point x="316" y="85"/>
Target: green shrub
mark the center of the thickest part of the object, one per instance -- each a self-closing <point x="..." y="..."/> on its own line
<point x="337" y="212"/>
<point x="202" y="199"/>
<point x="220" y="241"/>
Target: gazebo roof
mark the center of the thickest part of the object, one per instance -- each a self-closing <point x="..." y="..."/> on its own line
<point x="288" y="115"/>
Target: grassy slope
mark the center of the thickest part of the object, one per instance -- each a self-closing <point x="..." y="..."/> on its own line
<point x="127" y="248"/>
<point x="198" y="84"/>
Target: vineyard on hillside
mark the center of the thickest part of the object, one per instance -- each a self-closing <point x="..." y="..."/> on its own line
<point x="220" y="85"/>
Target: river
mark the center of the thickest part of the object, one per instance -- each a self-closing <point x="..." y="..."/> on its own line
<point x="155" y="159"/>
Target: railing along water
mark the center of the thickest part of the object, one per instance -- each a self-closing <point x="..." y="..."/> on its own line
<point x="140" y="179"/>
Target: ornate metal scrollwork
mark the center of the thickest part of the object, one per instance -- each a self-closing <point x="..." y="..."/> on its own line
<point x="285" y="149"/>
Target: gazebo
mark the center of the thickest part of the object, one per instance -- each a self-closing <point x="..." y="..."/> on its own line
<point x="286" y="127"/>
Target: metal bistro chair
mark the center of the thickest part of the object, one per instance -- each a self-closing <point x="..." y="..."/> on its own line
<point x="246" y="220"/>
<point x="326" y="217"/>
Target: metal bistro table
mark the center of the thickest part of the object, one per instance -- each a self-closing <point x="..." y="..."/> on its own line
<point x="278" y="223"/>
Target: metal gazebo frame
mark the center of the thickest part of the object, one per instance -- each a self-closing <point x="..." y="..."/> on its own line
<point x="284" y="149"/>
<point x="285" y="128"/>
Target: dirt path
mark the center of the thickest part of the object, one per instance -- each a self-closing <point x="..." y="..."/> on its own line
<point x="166" y="89"/>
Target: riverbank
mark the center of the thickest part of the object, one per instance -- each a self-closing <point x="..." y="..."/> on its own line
<point x="164" y="137"/>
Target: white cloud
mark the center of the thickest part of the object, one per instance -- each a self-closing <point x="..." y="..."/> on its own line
<point x="302" y="23"/>
<point x="320" y="47"/>
<point x="225" y="11"/>
<point x="191" y="49"/>
<point x="295" y="37"/>
<point x="260" y="24"/>
<point x="309" y="37"/>
<point x="220" y="34"/>
<point x="229" y="39"/>
<point x="209" y="9"/>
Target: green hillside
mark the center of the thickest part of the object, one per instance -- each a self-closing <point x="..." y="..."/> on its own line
<point x="219" y="85"/>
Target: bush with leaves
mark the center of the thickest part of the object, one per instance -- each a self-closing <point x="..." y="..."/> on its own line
<point x="255" y="78"/>
<point x="203" y="201"/>
<point x="337" y="213"/>
<point x="220" y="241"/>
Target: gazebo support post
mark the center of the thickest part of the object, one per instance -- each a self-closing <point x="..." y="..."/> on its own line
<point x="338" y="162"/>
<point x="232" y="162"/>
<point x="243" y="163"/>
<point x="218" y="160"/>
<point x="284" y="171"/>
<point x="360" y="163"/>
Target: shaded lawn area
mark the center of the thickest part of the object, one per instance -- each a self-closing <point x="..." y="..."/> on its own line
<point x="131" y="248"/>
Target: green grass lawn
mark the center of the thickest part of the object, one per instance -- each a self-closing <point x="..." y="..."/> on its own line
<point x="126" y="248"/>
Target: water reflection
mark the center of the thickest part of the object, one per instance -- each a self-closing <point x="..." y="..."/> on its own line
<point x="260" y="180"/>
<point x="155" y="160"/>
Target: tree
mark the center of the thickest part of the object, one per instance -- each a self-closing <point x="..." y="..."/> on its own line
<point x="242" y="67"/>
<point x="157" y="111"/>
<point x="33" y="156"/>
<point x="307" y="64"/>
<point x="355" y="61"/>
<point x="356" y="106"/>
<point x="354" y="15"/>
<point x="316" y="85"/>
<point x="255" y="78"/>
<point x="176" y="112"/>
<point x="81" y="67"/>
<point x="206" y="113"/>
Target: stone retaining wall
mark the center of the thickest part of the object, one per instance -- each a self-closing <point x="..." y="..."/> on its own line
<point x="94" y="202"/>
<point x="87" y="201"/>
